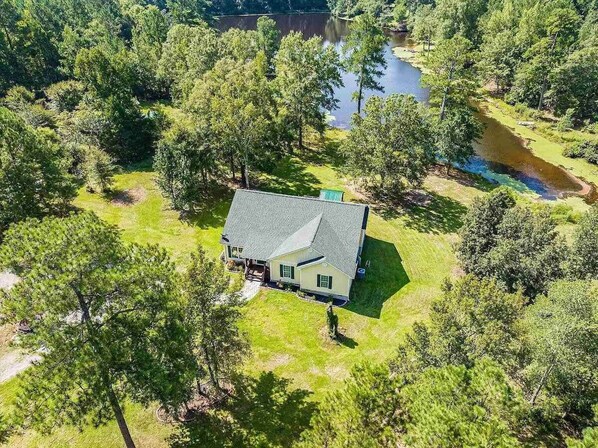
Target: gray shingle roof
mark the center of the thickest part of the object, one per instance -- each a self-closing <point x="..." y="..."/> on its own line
<point x="268" y="225"/>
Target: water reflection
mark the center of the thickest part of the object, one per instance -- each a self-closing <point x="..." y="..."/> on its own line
<point x="501" y="155"/>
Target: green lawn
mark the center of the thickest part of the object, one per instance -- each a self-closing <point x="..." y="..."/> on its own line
<point x="409" y="248"/>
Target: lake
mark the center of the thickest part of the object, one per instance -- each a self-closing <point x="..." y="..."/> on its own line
<point x="501" y="156"/>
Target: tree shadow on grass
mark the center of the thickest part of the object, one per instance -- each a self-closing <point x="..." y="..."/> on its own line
<point x="264" y="411"/>
<point x="384" y="277"/>
<point x="290" y="177"/>
<point x="425" y="211"/>
<point x="212" y="211"/>
<point x="346" y="341"/>
<point x="323" y="151"/>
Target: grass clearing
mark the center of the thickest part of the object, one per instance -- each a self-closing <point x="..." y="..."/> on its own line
<point x="409" y="248"/>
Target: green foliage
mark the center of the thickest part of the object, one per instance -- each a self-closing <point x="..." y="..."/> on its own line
<point x="455" y="406"/>
<point x="587" y="149"/>
<point x="185" y="161"/>
<point x="106" y="319"/>
<point x="517" y="246"/>
<point x="97" y="169"/>
<point x="150" y="27"/>
<point x="563" y="341"/>
<point x="65" y="96"/>
<point x="306" y="75"/>
<point x="455" y="136"/>
<point x="237" y="100"/>
<point x="473" y="319"/>
<point x="365" y="412"/>
<point x="22" y="102"/>
<point x="364" y="54"/>
<point x="583" y="262"/>
<point x="33" y="177"/>
<point x="589" y="440"/>
<point x="574" y="85"/>
<point x="211" y="303"/>
<point x="460" y="18"/>
<point x="449" y="74"/>
<point x="268" y="37"/>
<point x="390" y="148"/>
<point x="188" y="12"/>
<point x="424" y="26"/>
<point x="187" y="54"/>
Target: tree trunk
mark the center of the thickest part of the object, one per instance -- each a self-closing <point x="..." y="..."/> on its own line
<point x="300" y="133"/>
<point x="445" y="93"/>
<point x="545" y="78"/>
<point x="114" y="404"/>
<point x="120" y="418"/>
<point x="360" y="92"/>
<point x="541" y="384"/>
<point x="448" y="167"/>
<point x="232" y="166"/>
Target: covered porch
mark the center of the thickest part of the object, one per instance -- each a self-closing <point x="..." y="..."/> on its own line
<point x="257" y="270"/>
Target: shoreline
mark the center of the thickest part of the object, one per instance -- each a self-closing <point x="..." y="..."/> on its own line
<point x="488" y="107"/>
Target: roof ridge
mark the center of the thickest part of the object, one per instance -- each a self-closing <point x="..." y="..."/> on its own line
<point x="309" y="198"/>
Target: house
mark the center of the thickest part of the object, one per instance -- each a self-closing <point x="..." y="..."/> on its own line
<point x="312" y="243"/>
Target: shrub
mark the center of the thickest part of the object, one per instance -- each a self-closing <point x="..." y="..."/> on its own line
<point x="587" y="150"/>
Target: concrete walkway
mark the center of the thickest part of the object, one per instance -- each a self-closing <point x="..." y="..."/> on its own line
<point x="250" y="289"/>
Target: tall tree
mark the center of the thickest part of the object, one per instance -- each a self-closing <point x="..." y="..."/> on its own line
<point x="583" y="262"/>
<point x="478" y="234"/>
<point x="391" y="147"/>
<point x="150" y="27"/>
<point x="306" y="75"/>
<point x="268" y="38"/>
<point x="563" y="339"/>
<point x="456" y="406"/>
<point x="455" y="136"/>
<point x="188" y="53"/>
<point x="450" y="74"/>
<point x="424" y="26"/>
<point x="33" y="177"/>
<point x="474" y="318"/>
<point x="211" y="302"/>
<point x="185" y="160"/>
<point x="364" y="53"/>
<point x="238" y="101"/>
<point x="516" y="245"/>
<point x="106" y="319"/>
<point x="365" y="412"/>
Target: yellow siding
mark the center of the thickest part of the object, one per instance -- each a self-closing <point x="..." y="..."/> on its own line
<point x="289" y="260"/>
<point x="341" y="282"/>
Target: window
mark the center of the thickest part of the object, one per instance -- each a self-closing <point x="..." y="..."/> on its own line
<point x="235" y="251"/>
<point x="325" y="281"/>
<point x="287" y="271"/>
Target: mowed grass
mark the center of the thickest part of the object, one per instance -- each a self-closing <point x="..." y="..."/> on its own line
<point x="409" y="248"/>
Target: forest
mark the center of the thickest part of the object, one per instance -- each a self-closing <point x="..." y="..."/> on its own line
<point x="505" y="350"/>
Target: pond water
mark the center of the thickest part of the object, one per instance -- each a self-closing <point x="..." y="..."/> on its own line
<point x="501" y="156"/>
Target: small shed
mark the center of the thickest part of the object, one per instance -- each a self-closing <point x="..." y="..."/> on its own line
<point x="332" y="195"/>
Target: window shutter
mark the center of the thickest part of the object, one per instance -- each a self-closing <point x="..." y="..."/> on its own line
<point x="318" y="283"/>
<point x="229" y="252"/>
<point x="281" y="272"/>
<point x="293" y="272"/>
<point x="330" y="282"/>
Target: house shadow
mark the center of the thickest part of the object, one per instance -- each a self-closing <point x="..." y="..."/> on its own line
<point x="264" y="411"/>
<point x="384" y="277"/>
